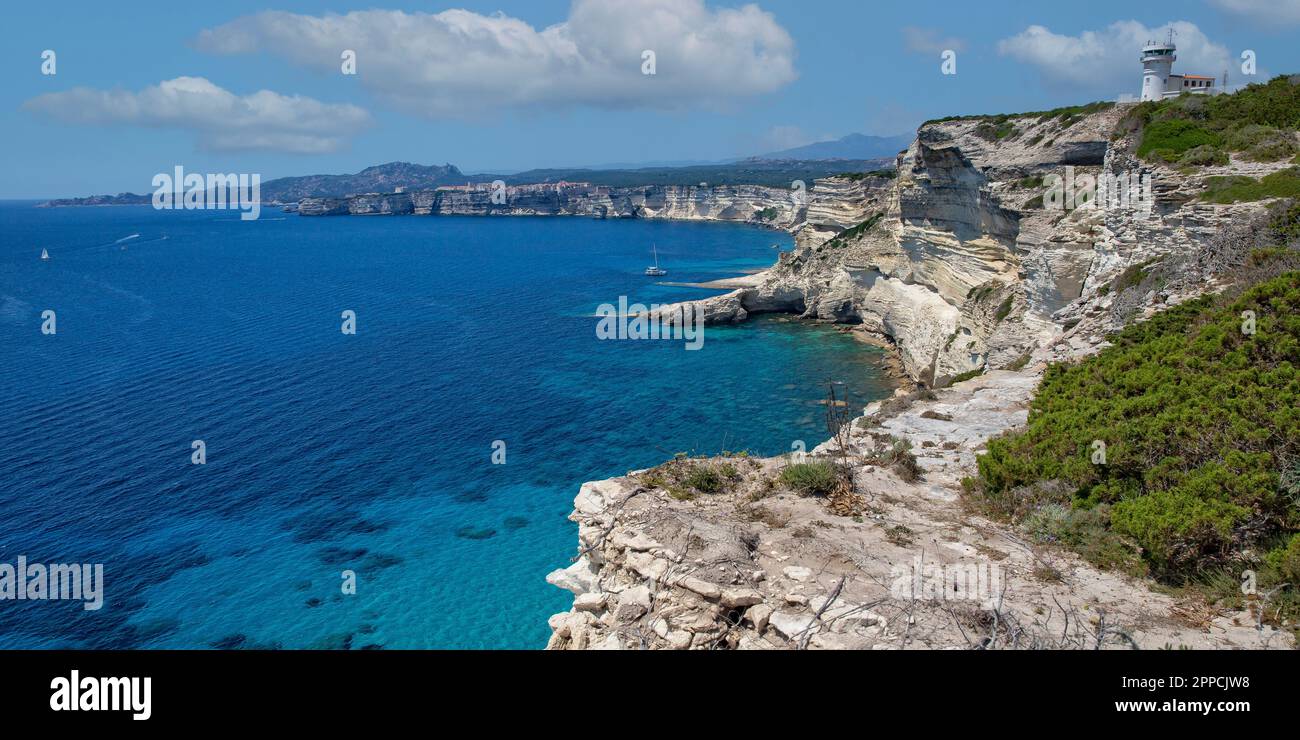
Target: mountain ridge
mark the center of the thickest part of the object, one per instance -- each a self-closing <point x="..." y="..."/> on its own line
<point x="852" y="146"/>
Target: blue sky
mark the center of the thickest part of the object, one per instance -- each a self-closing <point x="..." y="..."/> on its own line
<point x="505" y="94"/>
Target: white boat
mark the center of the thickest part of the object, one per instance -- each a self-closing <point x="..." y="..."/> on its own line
<point x="45" y="255"/>
<point x="655" y="270"/>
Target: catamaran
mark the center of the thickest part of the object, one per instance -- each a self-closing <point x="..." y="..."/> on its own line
<point x="45" y="255"/>
<point x="655" y="270"/>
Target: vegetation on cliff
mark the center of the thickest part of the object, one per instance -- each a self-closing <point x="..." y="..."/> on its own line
<point x="1259" y="122"/>
<point x="1068" y="115"/>
<point x="1176" y="451"/>
<point x="1230" y="189"/>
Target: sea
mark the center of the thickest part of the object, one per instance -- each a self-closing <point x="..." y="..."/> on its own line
<point x="194" y="417"/>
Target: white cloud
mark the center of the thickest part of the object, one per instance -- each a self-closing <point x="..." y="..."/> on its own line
<point x="461" y="64"/>
<point x="1107" y="60"/>
<point x="221" y="120"/>
<point x="929" y="41"/>
<point x="1264" y="12"/>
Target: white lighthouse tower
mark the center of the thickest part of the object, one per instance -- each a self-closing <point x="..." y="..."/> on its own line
<point x="1157" y="65"/>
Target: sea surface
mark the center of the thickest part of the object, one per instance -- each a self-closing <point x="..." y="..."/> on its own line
<point x="371" y="453"/>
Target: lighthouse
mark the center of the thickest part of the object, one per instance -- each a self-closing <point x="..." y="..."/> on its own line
<point x="1157" y="66"/>
<point x="1159" y="81"/>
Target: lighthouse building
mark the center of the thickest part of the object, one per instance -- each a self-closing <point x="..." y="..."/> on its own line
<point x="1158" y="79"/>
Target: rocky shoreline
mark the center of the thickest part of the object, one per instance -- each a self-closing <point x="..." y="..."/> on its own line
<point x="812" y="211"/>
<point x="959" y="268"/>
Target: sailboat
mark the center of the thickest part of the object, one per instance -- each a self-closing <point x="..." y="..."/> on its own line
<point x="45" y="255"/>
<point x="655" y="270"/>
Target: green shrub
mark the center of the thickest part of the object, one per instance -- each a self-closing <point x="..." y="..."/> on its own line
<point x="1275" y="103"/>
<point x="1132" y="276"/>
<point x="1230" y="189"/>
<point x="1288" y="561"/>
<point x="855" y="176"/>
<point x="1289" y="481"/>
<point x="967" y="375"/>
<point x="1174" y="137"/>
<point x="995" y="131"/>
<point x="1244" y="137"/>
<point x="1204" y="156"/>
<point x="810" y="479"/>
<point x="1086" y="532"/>
<point x="1271" y="150"/>
<point x="1180" y="528"/>
<point x="855" y="231"/>
<point x="704" y="478"/>
<point x="1284" y="223"/>
<point x="1020" y="362"/>
<point x="899" y="458"/>
<point x="1259" y="120"/>
<point x="1196" y="417"/>
<point x="1042" y="115"/>
<point x="1004" y="310"/>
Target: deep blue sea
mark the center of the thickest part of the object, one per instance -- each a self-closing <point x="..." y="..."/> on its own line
<point x="369" y="452"/>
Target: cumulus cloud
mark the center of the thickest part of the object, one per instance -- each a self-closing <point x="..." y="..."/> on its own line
<point x="221" y="120"/>
<point x="1107" y="60"/>
<point x="1264" y="12"/>
<point x="462" y="64"/>
<point x="930" y="41"/>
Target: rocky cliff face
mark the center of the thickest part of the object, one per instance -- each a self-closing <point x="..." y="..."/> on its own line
<point x="814" y="213"/>
<point x="964" y="265"/>
<point x="740" y="203"/>
<point x="962" y="262"/>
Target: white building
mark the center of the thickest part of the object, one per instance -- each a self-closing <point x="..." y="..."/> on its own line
<point x="1158" y="80"/>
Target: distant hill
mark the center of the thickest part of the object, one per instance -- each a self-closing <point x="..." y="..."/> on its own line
<point x="121" y="199"/>
<point x="382" y="178"/>
<point x="387" y="178"/>
<point x="853" y="146"/>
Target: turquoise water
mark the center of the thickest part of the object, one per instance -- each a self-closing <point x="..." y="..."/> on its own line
<point x="372" y="453"/>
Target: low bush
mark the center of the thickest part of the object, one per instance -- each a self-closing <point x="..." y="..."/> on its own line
<point x="704" y="478"/>
<point x="1171" y="138"/>
<point x="1197" y="418"/>
<point x="1284" y="222"/>
<point x="995" y="131"/>
<point x="1231" y="189"/>
<point x="1190" y="130"/>
<point x="1204" y="156"/>
<point x="897" y="456"/>
<point x="810" y="479"/>
<point x="1132" y="276"/>
<point x="962" y="377"/>
<point x="1085" y="531"/>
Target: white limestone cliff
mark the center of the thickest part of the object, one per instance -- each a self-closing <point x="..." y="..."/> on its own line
<point x="959" y="266"/>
